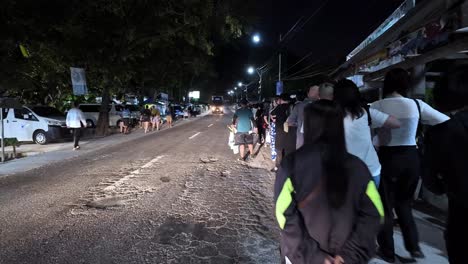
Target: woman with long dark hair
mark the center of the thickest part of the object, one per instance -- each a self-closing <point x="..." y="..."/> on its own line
<point x="327" y="204"/>
<point x="358" y="123"/>
<point x="400" y="160"/>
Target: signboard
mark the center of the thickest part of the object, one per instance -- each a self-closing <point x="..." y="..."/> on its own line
<point x="404" y="8"/>
<point x="78" y="81"/>
<point x="194" y="94"/>
<point x="279" y="88"/>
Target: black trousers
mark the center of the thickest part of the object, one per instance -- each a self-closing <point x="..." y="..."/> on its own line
<point x="261" y="133"/>
<point x="399" y="180"/>
<point x="456" y="233"/>
<point x="76" y="136"/>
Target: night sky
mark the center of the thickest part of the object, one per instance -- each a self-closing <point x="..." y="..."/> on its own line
<point x="329" y="35"/>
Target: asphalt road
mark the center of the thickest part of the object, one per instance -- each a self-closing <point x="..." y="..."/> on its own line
<point x="177" y="196"/>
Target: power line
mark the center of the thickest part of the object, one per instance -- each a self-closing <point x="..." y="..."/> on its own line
<point x="302" y="59"/>
<point x="302" y="70"/>
<point x="310" y="75"/>
<point x="293" y="29"/>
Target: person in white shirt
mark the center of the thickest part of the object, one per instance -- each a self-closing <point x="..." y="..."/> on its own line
<point x="358" y="123"/>
<point x="75" y="121"/>
<point x="400" y="160"/>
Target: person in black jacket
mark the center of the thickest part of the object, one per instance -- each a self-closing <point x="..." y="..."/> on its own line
<point x="327" y="205"/>
<point x="279" y="115"/>
<point x="446" y="157"/>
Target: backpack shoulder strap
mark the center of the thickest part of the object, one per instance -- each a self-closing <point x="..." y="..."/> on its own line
<point x="369" y="117"/>
<point x="419" y="108"/>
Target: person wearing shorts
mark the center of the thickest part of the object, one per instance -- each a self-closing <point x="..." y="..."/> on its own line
<point x="169" y="116"/>
<point x="145" y="119"/>
<point x="125" y="124"/>
<point x="155" y="118"/>
<point x="244" y="123"/>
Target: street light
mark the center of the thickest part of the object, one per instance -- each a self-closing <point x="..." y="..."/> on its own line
<point x="256" y="38"/>
<point x="239" y="84"/>
<point x="251" y="70"/>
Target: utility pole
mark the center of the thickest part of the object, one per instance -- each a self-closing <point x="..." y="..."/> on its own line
<point x="279" y="60"/>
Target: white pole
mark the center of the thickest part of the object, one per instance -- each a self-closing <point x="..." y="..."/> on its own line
<point x="3" y="135"/>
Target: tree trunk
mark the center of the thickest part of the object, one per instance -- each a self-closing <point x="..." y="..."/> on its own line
<point x="102" y="127"/>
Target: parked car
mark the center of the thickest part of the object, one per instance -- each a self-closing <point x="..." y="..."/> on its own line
<point x="135" y="110"/>
<point x="91" y="113"/>
<point x="178" y="111"/>
<point x="40" y="124"/>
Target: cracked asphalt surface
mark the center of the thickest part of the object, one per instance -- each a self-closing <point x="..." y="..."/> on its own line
<point x="168" y="197"/>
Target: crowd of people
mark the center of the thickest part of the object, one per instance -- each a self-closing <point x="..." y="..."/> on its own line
<point x="346" y="168"/>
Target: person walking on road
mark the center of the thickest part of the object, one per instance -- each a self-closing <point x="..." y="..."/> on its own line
<point x="244" y="124"/>
<point x="326" y="91"/>
<point x="146" y="118"/>
<point x="359" y="122"/>
<point x="169" y="116"/>
<point x="399" y="157"/>
<point x="327" y="205"/>
<point x="75" y="121"/>
<point x="297" y="115"/>
<point x="280" y="115"/>
<point x="155" y="118"/>
<point x="125" y="123"/>
<point x="446" y="156"/>
<point x="260" y="119"/>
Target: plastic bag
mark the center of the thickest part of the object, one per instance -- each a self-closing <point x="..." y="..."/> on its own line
<point x="232" y="143"/>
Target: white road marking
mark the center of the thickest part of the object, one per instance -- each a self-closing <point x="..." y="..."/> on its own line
<point x="194" y="135"/>
<point x="210" y="125"/>
<point x="149" y="164"/>
<point x="132" y="174"/>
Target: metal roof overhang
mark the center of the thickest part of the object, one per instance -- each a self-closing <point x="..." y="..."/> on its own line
<point x="413" y="20"/>
<point x="451" y="49"/>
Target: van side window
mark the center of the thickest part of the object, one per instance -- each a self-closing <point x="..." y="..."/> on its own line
<point x="5" y="112"/>
<point x="24" y="114"/>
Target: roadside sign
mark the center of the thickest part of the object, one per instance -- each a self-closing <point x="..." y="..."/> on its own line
<point x="279" y="88"/>
<point x="78" y="78"/>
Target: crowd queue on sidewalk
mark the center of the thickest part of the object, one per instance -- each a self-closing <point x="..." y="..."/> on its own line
<point x="345" y="167"/>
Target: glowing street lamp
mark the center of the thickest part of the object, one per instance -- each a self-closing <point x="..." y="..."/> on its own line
<point x="256" y="38"/>
<point x="239" y="84"/>
<point x="251" y="70"/>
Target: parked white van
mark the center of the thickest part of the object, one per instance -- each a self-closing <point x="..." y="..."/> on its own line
<point x="40" y="124"/>
<point x="91" y="113"/>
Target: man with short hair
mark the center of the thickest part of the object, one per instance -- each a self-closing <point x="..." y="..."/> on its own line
<point x="76" y="120"/>
<point x="280" y="116"/>
<point x="326" y="91"/>
<point x="244" y="124"/>
<point x="296" y="118"/>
